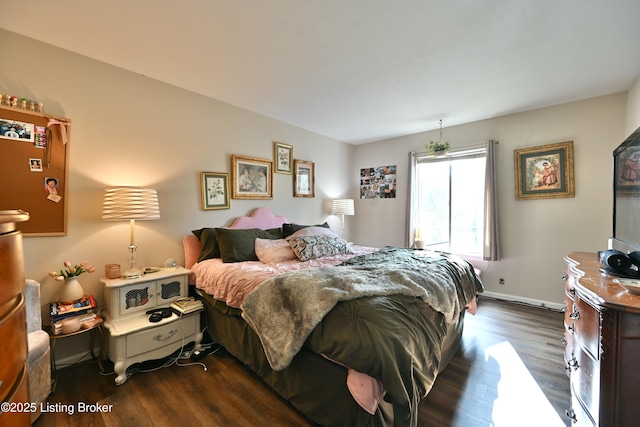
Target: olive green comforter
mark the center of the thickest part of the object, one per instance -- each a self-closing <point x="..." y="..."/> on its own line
<point x="395" y="338"/>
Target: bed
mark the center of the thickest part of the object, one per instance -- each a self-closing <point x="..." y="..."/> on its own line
<point x="349" y="335"/>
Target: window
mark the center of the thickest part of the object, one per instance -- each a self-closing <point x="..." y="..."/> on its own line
<point x="450" y="202"/>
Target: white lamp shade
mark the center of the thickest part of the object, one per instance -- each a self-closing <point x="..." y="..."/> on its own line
<point x="127" y="203"/>
<point x="342" y="207"/>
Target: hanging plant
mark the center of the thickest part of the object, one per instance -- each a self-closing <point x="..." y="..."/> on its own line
<point x="439" y="146"/>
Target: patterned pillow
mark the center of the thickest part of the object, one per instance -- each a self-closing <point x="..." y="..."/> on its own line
<point x="313" y="231"/>
<point x="289" y="229"/>
<point x="317" y="246"/>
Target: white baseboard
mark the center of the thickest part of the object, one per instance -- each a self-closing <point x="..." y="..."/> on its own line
<point x="523" y="300"/>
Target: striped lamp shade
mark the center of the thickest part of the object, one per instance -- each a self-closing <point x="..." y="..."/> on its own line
<point x="127" y="203"/>
<point x="342" y="207"/>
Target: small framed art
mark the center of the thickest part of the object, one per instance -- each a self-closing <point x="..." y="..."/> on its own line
<point x="544" y="172"/>
<point x="304" y="179"/>
<point x="282" y="156"/>
<point x="215" y="190"/>
<point x="251" y="178"/>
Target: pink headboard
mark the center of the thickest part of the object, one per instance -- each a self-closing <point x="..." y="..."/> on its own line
<point x="260" y="218"/>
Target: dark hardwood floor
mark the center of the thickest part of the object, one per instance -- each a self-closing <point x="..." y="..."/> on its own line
<point x="508" y="372"/>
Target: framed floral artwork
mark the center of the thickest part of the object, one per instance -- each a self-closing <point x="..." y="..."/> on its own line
<point x="215" y="190"/>
<point x="544" y="172"/>
<point x="304" y="178"/>
<point x="282" y="157"/>
<point x="251" y="178"/>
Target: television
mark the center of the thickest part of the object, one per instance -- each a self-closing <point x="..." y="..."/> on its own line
<point x="626" y="194"/>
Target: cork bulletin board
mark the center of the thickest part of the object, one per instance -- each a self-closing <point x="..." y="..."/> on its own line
<point x="34" y="169"/>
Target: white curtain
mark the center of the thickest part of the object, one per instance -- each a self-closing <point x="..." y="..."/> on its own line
<point x="412" y="202"/>
<point x="491" y="250"/>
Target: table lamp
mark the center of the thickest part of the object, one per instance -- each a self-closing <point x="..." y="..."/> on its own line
<point x="342" y="207"/>
<point x="130" y="203"/>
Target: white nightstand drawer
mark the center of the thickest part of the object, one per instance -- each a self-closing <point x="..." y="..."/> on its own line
<point x="160" y="336"/>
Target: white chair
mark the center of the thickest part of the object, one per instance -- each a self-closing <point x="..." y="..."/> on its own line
<point x="38" y="358"/>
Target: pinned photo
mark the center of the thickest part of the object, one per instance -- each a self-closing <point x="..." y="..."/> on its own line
<point x="11" y="129"/>
<point x="35" y="165"/>
<point x="51" y="188"/>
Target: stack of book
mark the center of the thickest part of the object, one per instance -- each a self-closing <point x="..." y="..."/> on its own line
<point x="84" y="309"/>
<point x="187" y="305"/>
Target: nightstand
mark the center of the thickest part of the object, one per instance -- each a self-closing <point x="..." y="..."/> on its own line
<point x="132" y="337"/>
<point x="53" y="340"/>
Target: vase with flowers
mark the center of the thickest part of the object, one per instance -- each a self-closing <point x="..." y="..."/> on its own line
<point x="72" y="289"/>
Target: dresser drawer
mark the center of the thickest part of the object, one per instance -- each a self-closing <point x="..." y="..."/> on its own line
<point x="13" y="335"/>
<point x="569" y="284"/>
<point x="160" y="336"/>
<point x="569" y="351"/>
<point x="578" y="415"/>
<point x="12" y="270"/>
<point x="587" y="327"/>
<point x="585" y="382"/>
<point x="569" y="330"/>
<point x="18" y="415"/>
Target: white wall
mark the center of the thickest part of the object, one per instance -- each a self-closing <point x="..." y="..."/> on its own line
<point x="128" y="129"/>
<point x="633" y="108"/>
<point x="536" y="234"/>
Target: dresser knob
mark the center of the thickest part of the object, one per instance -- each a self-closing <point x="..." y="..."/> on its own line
<point x="563" y="341"/>
<point x="574" y="363"/>
<point x="571" y="414"/>
<point x="572" y="328"/>
<point x="575" y="313"/>
<point x="565" y="276"/>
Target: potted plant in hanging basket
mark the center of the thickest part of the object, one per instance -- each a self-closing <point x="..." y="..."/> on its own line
<point x="437" y="148"/>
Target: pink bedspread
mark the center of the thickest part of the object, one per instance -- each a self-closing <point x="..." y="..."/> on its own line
<point x="232" y="282"/>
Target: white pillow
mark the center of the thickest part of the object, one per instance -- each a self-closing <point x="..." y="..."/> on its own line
<point x="270" y="251"/>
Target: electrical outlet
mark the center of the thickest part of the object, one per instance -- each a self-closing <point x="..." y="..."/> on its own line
<point x="501" y="281"/>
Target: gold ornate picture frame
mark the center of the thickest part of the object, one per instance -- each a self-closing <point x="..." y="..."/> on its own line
<point x="304" y="178"/>
<point x="251" y="177"/>
<point x="544" y="172"/>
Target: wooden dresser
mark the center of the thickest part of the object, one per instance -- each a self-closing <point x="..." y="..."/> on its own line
<point x="14" y="388"/>
<point x="602" y="354"/>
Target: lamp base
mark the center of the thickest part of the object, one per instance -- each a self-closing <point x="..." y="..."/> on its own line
<point x="132" y="272"/>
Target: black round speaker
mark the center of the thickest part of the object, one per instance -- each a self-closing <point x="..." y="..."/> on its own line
<point x="615" y="260"/>
<point x="635" y="257"/>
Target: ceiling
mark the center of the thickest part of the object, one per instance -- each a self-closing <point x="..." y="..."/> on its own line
<point x="357" y="70"/>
